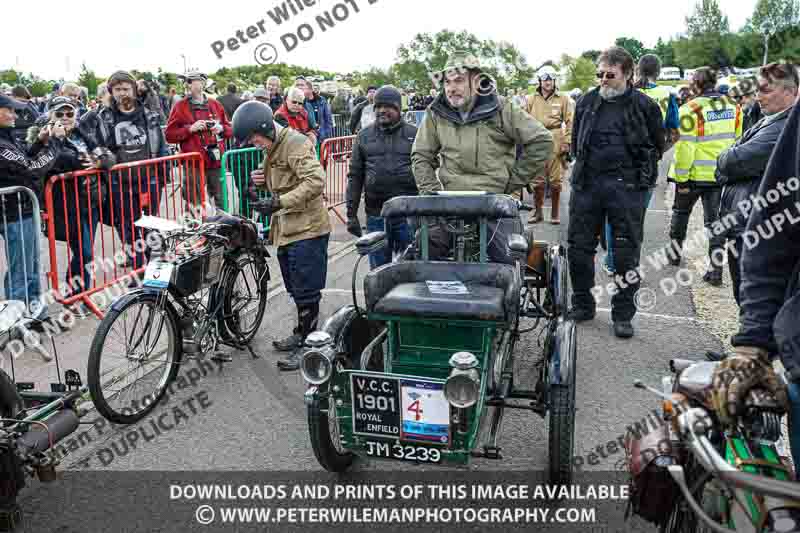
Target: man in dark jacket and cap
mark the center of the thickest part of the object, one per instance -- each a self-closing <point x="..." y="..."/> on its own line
<point x="381" y="168"/>
<point x="740" y="167"/>
<point x="770" y="295"/>
<point x="25" y="166"/>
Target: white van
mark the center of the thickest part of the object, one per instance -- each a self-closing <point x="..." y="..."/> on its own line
<point x="670" y="73"/>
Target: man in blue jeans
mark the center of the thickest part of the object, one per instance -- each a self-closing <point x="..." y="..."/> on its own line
<point x="769" y="297"/>
<point x="26" y="166"/>
<point x="381" y="169"/>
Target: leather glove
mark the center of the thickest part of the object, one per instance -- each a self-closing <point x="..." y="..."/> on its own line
<point x="354" y="227"/>
<point x="749" y="367"/>
<point x="268" y="206"/>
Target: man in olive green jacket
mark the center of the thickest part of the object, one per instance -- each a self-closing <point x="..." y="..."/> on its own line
<point x="467" y="141"/>
<point x="300" y="227"/>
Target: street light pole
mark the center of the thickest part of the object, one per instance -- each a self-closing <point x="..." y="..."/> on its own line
<point x="768" y="29"/>
<point x="184" y="63"/>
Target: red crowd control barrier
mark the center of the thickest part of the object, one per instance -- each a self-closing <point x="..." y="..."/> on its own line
<point x="334" y="155"/>
<point x="77" y="203"/>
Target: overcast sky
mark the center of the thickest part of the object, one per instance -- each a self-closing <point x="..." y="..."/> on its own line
<point x="147" y="34"/>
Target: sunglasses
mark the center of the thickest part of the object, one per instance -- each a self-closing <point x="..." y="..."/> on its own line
<point x="62" y="114"/>
<point x="295" y="103"/>
<point x="606" y="75"/>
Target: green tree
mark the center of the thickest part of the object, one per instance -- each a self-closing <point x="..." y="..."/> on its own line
<point x="707" y="18"/>
<point x="39" y="87"/>
<point x="88" y="79"/>
<point x="592" y="55"/>
<point x="377" y="77"/>
<point x="633" y="46"/>
<point x="665" y="52"/>
<point x="708" y="39"/>
<point x="427" y="53"/>
<point x="777" y="13"/>
<point x="580" y="72"/>
<point x="168" y="79"/>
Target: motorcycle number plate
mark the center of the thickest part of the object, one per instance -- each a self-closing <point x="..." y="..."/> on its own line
<point x="403" y="452"/>
<point x="158" y="274"/>
<point x="376" y="405"/>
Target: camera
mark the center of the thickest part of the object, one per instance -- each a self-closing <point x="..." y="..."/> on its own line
<point x="210" y="123"/>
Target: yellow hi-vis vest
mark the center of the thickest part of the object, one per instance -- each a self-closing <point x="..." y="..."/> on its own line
<point x="708" y="126"/>
<point x="661" y="96"/>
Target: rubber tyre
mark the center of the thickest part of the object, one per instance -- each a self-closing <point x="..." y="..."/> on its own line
<point x="10" y="399"/>
<point x="561" y="436"/>
<point x="561" y="415"/>
<point x="230" y="324"/>
<point x="95" y="354"/>
<point x="321" y="442"/>
<point x="559" y="282"/>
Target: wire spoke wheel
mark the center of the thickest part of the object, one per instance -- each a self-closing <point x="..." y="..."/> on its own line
<point x="245" y="293"/>
<point x="133" y="358"/>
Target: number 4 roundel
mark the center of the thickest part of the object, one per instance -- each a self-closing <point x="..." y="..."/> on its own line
<point x="416" y="408"/>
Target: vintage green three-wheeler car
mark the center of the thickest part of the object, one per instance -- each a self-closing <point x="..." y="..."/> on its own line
<point x="425" y="369"/>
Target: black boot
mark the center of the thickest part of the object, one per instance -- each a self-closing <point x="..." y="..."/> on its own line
<point x="673" y="251"/>
<point x="623" y="329"/>
<point x="289" y="343"/>
<point x="307" y="318"/>
<point x="713" y="277"/>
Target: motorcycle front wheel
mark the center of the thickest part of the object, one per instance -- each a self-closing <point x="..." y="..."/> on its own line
<point x="134" y="356"/>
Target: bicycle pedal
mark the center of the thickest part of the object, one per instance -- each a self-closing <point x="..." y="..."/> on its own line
<point x="73" y="379"/>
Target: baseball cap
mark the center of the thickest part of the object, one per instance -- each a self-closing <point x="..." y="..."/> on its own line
<point x="194" y="75"/>
<point x="260" y="92"/>
<point x="10" y="103"/>
<point x="61" y="101"/>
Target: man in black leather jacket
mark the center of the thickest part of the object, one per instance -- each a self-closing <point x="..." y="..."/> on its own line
<point x="740" y="168"/>
<point x="618" y="138"/>
<point x="25" y="166"/>
<point x="381" y="168"/>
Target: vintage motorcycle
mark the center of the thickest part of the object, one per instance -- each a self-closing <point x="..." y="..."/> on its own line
<point x="424" y="371"/>
<point x="205" y="286"/>
<point x="692" y="475"/>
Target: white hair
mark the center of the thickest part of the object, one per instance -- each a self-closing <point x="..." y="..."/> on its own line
<point x="296" y="94"/>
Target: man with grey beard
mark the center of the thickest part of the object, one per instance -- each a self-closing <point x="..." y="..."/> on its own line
<point x="617" y="140"/>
